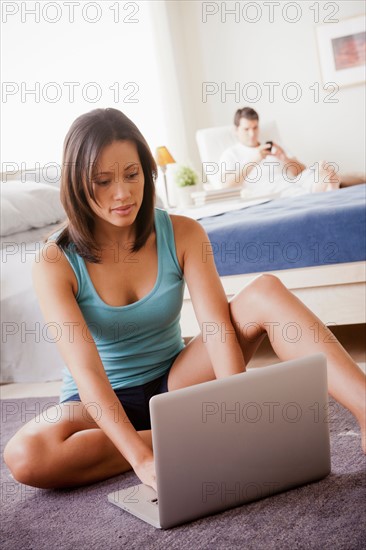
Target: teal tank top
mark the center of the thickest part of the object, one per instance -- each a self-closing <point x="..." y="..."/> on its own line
<point x="137" y="342"/>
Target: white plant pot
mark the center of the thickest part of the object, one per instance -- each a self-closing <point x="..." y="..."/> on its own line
<point x="184" y="195"/>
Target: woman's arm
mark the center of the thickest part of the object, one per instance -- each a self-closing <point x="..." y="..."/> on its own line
<point x="208" y="297"/>
<point x="53" y="283"/>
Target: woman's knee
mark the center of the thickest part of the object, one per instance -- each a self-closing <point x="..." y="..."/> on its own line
<point x="265" y="288"/>
<point x="259" y="291"/>
<point x="265" y="283"/>
<point x="25" y="457"/>
<point x="252" y="308"/>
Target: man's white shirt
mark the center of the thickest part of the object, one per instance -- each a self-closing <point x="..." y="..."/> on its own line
<point x="270" y="175"/>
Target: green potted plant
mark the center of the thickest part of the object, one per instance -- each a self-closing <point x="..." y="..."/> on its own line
<point x="186" y="180"/>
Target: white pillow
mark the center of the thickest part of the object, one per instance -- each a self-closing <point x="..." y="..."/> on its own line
<point x="25" y="205"/>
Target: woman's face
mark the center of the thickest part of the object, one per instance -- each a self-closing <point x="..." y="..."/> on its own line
<point x="118" y="184"/>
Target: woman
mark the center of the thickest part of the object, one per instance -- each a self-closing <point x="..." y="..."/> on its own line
<point x="111" y="283"/>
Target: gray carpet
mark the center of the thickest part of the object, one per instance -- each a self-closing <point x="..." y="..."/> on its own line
<point x="329" y="514"/>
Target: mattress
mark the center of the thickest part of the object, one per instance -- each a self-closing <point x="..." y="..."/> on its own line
<point x="292" y="232"/>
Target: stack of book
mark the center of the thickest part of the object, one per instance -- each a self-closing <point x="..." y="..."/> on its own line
<point x="200" y="198"/>
<point x="215" y="195"/>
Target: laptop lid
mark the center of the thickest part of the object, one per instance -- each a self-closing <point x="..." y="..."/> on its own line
<point x="237" y="439"/>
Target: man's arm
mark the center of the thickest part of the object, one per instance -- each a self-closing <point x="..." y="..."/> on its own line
<point x="234" y="173"/>
<point x="293" y="166"/>
<point x="234" y="180"/>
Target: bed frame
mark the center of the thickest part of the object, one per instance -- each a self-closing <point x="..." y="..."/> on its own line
<point x="335" y="293"/>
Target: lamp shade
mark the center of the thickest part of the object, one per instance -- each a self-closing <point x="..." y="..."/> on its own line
<point x="163" y="157"/>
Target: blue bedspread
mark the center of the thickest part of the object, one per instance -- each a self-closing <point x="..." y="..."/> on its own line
<point x="292" y="232"/>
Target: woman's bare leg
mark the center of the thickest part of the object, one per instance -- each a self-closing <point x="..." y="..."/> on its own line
<point x="266" y="306"/>
<point x="71" y="452"/>
<point x="296" y="332"/>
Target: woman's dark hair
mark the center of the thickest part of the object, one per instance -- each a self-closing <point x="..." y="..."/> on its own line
<point x="246" y="112"/>
<point x="88" y="135"/>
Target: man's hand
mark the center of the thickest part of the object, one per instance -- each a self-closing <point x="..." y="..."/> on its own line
<point x="279" y="153"/>
<point x="262" y="152"/>
<point x="294" y="166"/>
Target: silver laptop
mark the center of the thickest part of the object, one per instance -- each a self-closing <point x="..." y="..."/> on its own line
<point x="230" y="441"/>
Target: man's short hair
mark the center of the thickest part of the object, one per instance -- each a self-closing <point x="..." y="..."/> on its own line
<point x="246" y="112"/>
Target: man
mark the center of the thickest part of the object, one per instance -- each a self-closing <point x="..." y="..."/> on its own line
<point x="266" y="167"/>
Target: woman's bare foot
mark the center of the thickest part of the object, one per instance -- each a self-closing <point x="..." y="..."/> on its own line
<point x="328" y="178"/>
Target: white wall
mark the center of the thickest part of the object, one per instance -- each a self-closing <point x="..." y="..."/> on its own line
<point x="113" y="56"/>
<point x="229" y="52"/>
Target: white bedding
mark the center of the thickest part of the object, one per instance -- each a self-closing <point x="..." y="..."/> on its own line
<point x="26" y="205"/>
<point x="27" y="352"/>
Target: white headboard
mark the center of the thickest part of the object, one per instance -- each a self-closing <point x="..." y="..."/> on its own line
<point x="212" y="142"/>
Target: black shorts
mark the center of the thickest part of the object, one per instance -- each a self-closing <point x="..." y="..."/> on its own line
<point x="135" y="401"/>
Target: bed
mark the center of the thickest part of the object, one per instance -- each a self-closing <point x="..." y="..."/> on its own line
<point x="29" y="210"/>
<point x="334" y="288"/>
<point x="314" y="243"/>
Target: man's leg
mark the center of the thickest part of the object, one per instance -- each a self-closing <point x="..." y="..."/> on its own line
<point x="352" y="179"/>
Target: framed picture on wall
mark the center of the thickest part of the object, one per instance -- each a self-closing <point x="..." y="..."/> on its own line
<point x="341" y="49"/>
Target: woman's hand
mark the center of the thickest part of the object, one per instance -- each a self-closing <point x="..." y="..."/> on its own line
<point x="145" y="470"/>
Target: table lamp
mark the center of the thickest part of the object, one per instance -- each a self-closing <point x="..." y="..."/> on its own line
<point x="163" y="157"/>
